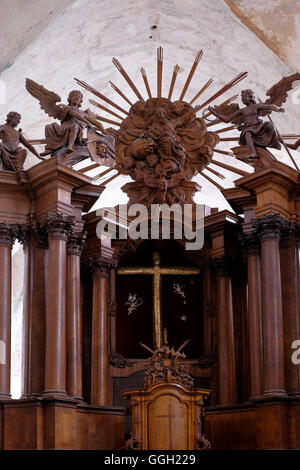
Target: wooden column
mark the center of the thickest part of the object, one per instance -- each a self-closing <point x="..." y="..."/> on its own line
<point x="57" y="226"/>
<point x="252" y="248"/>
<point x="288" y="263"/>
<point x="112" y="313"/>
<point x="6" y="241"/>
<point x="34" y="306"/>
<point x="74" y="316"/>
<point x="297" y="240"/>
<point x="100" y="343"/>
<point x="225" y="333"/>
<point x="270" y="227"/>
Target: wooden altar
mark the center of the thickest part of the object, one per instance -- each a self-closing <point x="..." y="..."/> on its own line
<point x="167" y="416"/>
<point x="82" y="322"/>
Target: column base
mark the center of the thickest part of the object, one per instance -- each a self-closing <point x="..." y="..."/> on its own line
<point x="30" y="395"/>
<point x="79" y="399"/>
<point x="274" y="394"/>
<point x="5" y="396"/>
<point x="55" y="394"/>
<point x="255" y="398"/>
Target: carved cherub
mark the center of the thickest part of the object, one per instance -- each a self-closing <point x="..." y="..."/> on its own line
<point x="254" y="131"/>
<point x="13" y="156"/>
<point x="73" y="120"/>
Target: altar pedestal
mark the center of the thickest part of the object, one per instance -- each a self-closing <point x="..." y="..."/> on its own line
<point x="167" y="416"/>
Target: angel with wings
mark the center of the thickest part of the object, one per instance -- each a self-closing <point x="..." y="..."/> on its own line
<point x="254" y="131"/>
<point x="69" y="133"/>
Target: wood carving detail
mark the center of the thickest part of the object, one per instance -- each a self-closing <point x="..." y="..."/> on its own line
<point x="76" y="243"/>
<point x="270" y="227"/>
<point x="162" y="144"/>
<point x="8" y="233"/>
<point x="256" y="133"/>
<point x="65" y="140"/>
<point x="119" y="361"/>
<point x="12" y="155"/>
<point x="133" y="443"/>
<point x="250" y="243"/>
<point x="57" y="225"/>
<point x="166" y="366"/>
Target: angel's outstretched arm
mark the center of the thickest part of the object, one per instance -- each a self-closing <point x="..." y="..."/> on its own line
<point x="29" y="147"/>
<point x="294" y="146"/>
<point x="270" y="107"/>
<point x="88" y="121"/>
<point x="225" y="117"/>
<point x="96" y="124"/>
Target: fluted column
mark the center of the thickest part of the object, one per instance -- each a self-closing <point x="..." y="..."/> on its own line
<point x="100" y="343"/>
<point x="6" y="242"/>
<point x="58" y="227"/>
<point x="74" y="316"/>
<point x="225" y="332"/>
<point x="270" y="228"/>
<point x="251" y="244"/>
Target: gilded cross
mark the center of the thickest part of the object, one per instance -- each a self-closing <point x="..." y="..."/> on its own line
<point x="157" y="271"/>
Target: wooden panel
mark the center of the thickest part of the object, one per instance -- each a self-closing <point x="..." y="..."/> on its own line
<point x="232" y="429"/>
<point x="32" y="424"/>
<point x="21" y="426"/>
<point x="272" y="426"/>
<point x="167" y="424"/>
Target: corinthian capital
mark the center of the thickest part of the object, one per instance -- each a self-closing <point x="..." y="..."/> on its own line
<point x="250" y="243"/>
<point x="271" y="227"/>
<point x="100" y="265"/>
<point x="8" y="233"/>
<point x="222" y="266"/>
<point x="57" y="225"/>
<point x="76" y="243"/>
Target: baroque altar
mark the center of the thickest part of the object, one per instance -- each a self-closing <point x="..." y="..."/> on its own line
<point x="90" y="300"/>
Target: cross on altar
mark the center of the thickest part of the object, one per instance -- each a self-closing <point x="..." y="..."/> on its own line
<point x="157" y="271"/>
<point x="169" y="416"/>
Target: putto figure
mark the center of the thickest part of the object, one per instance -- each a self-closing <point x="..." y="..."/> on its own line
<point x="254" y="131"/>
<point x="66" y="138"/>
<point x="12" y="155"/>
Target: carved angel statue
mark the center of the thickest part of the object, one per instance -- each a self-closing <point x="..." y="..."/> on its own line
<point x="254" y="131"/>
<point x="67" y="137"/>
<point x="12" y="155"/>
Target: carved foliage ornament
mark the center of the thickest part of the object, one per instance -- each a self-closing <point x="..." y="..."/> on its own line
<point x="250" y="243"/>
<point x="166" y="366"/>
<point x="8" y="233"/>
<point x="100" y="265"/>
<point x="57" y="225"/>
<point x="119" y="361"/>
<point x="222" y="266"/>
<point x="76" y="243"/>
<point x="270" y="227"/>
